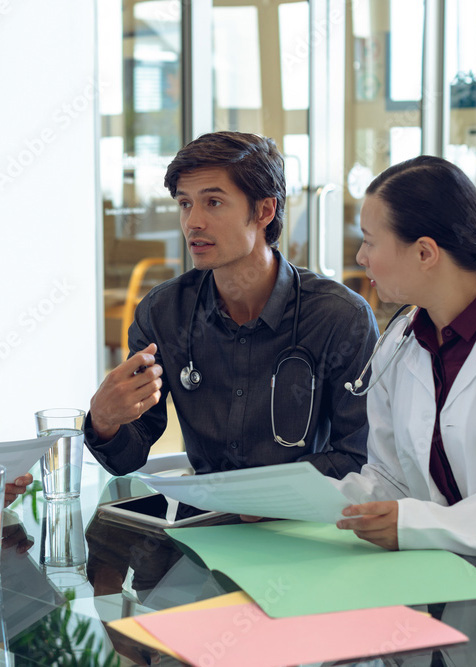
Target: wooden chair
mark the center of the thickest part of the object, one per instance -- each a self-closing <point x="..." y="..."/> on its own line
<point x="123" y="311"/>
<point x="134" y="295"/>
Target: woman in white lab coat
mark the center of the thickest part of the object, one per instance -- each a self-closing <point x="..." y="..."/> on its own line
<point x="418" y="489"/>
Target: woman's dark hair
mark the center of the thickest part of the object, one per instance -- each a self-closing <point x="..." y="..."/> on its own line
<point x="253" y="163"/>
<point x="429" y="196"/>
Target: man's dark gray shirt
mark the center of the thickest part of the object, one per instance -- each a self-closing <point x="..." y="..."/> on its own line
<point x="226" y="422"/>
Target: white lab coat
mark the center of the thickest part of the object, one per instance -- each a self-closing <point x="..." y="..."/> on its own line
<point x="401" y="411"/>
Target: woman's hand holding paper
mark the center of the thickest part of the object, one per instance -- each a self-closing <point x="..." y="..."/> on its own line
<point x="375" y="522"/>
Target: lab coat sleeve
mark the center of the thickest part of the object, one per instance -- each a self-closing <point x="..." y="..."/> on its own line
<point x="427" y="525"/>
<point x="422" y="523"/>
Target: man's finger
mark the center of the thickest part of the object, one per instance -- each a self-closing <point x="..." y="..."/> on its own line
<point x="149" y="376"/>
<point x="141" y="360"/>
<point x="147" y="403"/>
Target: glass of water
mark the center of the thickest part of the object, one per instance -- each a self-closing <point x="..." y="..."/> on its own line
<point x="61" y="465"/>
<point x="62" y="551"/>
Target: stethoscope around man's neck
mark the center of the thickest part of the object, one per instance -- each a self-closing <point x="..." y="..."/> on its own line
<point x="353" y="388"/>
<point x="191" y="377"/>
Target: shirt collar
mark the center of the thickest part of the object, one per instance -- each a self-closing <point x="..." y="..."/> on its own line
<point x="273" y="311"/>
<point x="424" y="330"/>
<point x="464" y="325"/>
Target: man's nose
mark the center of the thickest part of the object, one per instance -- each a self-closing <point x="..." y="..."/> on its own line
<point x="195" y="218"/>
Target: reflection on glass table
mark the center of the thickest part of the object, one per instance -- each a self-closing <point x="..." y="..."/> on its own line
<point x="49" y="617"/>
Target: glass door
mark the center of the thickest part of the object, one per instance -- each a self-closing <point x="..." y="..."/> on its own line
<point x="383" y="100"/>
<point x="264" y="89"/>
<point x="140" y="70"/>
<point x="338" y="85"/>
<point x="460" y="132"/>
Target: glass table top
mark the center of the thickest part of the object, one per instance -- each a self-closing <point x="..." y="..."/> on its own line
<point x="65" y="573"/>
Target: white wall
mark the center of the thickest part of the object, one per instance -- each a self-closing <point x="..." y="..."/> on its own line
<point x="48" y="274"/>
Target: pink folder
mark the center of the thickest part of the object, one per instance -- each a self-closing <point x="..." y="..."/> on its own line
<point x="244" y="635"/>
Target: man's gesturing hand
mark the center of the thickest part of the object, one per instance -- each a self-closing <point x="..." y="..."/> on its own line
<point x="124" y="396"/>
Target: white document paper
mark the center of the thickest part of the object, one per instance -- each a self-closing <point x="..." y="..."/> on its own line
<point x="18" y="457"/>
<point x="288" y="491"/>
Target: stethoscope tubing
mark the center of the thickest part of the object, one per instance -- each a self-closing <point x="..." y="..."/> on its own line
<point x="191" y="377"/>
<point x="353" y="388"/>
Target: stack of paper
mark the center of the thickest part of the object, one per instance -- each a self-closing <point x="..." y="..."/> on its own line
<point x="287" y="491"/>
<point x="232" y="631"/>
<point x="316" y="593"/>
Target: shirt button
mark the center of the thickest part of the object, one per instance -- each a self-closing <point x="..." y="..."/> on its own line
<point x="448" y="333"/>
<point x="239" y="392"/>
<point x="234" y="444"/>
<point x="242" y="341"/>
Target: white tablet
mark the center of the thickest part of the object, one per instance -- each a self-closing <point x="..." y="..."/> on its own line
<point x="157" y="511"/>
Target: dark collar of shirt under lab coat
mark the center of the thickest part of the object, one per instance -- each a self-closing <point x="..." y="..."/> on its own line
<point x="458" y="340"/>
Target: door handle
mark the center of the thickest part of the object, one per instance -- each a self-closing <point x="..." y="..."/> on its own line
<point x="321" y="196"/>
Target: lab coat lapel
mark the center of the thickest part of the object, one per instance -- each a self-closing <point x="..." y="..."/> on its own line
<point x="466" y="375"/>
<point x="418" y="363"/>
<point x="420" y="417"/>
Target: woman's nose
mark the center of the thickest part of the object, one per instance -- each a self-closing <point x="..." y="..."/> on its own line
<point x="360" y="257"/>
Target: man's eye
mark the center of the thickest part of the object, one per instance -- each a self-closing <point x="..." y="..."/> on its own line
<point x="184" y="204"/>
<point x="215" y="202"/>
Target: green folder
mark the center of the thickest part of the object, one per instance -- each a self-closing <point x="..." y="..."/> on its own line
<point x="297" y="567"/>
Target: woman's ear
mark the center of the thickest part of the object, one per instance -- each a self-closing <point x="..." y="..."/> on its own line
<point x="428" y="252"/>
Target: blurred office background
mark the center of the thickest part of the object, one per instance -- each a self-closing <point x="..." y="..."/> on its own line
<point x="100" y="95"/>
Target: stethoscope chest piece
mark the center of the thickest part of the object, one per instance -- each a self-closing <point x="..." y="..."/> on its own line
<point x="190" y="377"/>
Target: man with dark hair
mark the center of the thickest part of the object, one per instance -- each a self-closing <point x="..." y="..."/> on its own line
<point x="254" y="352"/>
<point x="253" y="163"/>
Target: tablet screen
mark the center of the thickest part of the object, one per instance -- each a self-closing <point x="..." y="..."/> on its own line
<point x="156" y="505"/>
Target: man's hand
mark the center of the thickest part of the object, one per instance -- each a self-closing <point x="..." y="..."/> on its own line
<point x="18" y="486"/>
<point x="378" y="523"/>
<point x="124" y="396"/>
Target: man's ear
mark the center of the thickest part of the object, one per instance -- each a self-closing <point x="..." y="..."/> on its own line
<point x="428" y="251"/>
<point x="265" y="211"/>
